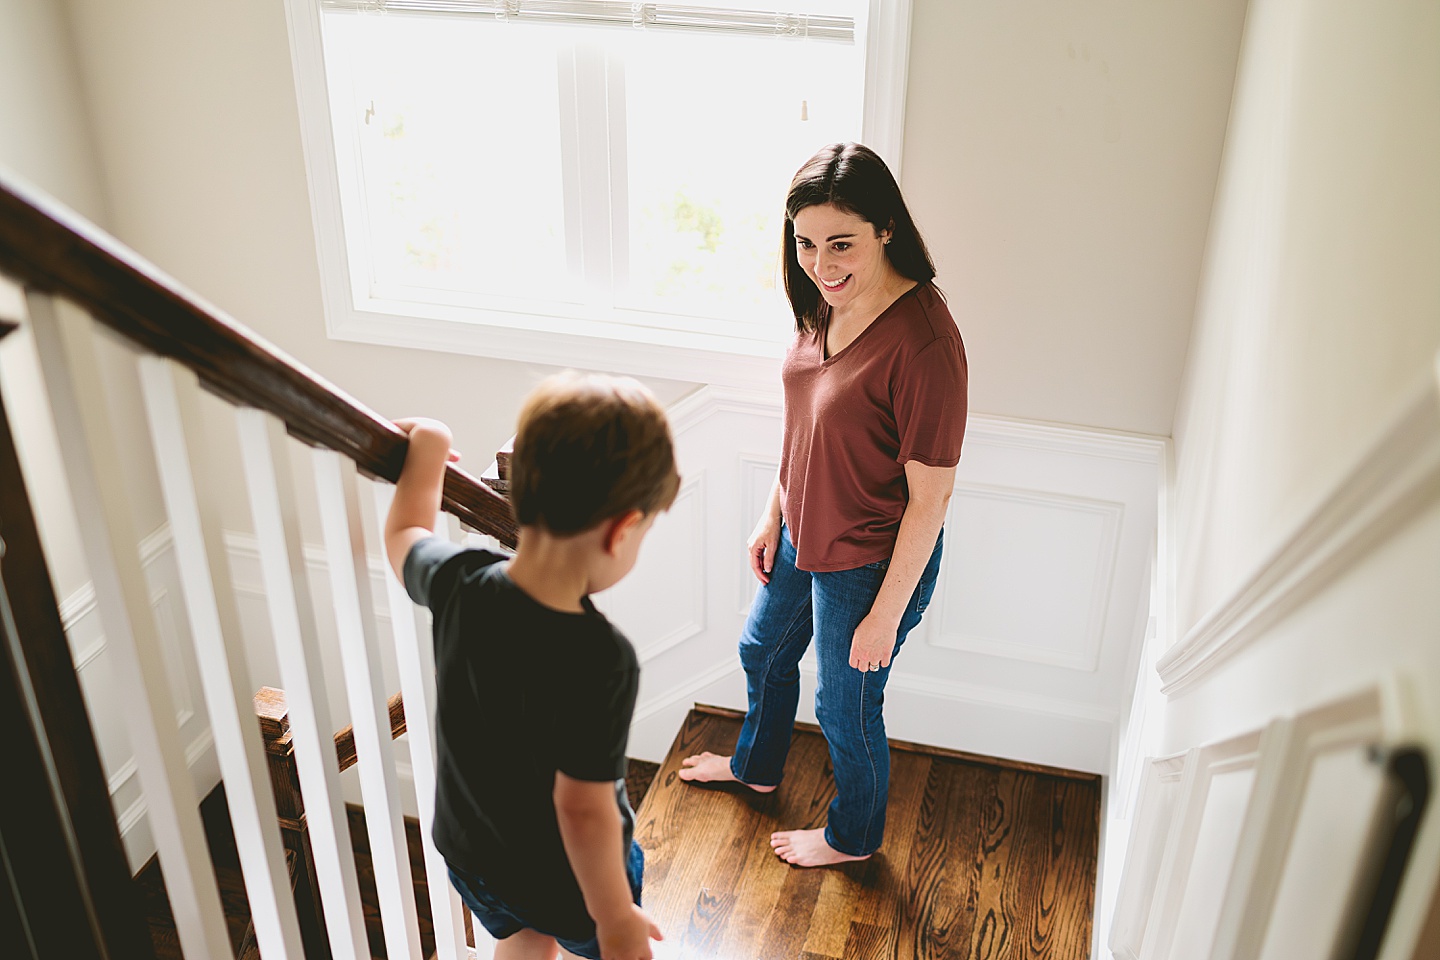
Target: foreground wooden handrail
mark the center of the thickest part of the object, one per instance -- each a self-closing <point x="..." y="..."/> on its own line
<point x="50" y="248"/>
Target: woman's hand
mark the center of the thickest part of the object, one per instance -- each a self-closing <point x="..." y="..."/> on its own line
<point x="764" y="541"/>
<point x="873" y="643"/>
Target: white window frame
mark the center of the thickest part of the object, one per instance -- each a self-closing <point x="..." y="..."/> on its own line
<point x="558" y="340"/>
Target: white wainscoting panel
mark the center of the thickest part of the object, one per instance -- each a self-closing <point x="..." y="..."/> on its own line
<point x="1154" y="813"/>
<point x="1268" y="836"/>
<point x="1059" y="549"/>
<point x="1200" y="848"/>
<point x="106" y="704"/>
<point x="662" y="602"/>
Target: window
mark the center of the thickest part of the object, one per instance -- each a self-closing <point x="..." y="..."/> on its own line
<point x="579" y="182"/>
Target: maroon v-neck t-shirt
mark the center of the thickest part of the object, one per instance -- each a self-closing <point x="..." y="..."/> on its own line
<point x="897" y="393"/>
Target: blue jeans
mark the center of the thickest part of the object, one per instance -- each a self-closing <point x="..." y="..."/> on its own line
<point x="502" y="921"/>
<point x="794" y="606"/>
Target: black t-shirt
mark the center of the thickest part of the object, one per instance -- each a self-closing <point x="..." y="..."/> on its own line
<point x="523" y="690"/>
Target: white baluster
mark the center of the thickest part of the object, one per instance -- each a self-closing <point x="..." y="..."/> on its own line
<point x="265" y="456"/>
<point x="171" y="404"/>
<point x="336" y="485"/>
<point x="415" y="657"/>
<point x="65" y="341"/>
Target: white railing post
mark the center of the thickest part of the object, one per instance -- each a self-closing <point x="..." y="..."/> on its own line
<point x="415" y="659"/>
<point x="65" y="341"/>
<point x="292" y="621"/>
<point x="188" y="482"/>
<point x="336" y="482"/>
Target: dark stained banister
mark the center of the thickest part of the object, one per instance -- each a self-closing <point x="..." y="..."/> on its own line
<point x="50" y="248"/>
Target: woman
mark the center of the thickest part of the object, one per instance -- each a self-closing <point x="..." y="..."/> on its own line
<point x="848" y="548"/>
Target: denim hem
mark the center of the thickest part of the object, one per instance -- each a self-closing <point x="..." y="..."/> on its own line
<point x="749" y="783"/>
<point x="830" y="839"/>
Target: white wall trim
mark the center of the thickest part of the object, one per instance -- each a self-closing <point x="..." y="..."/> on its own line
<point x="1387" y="486"/>
<point x="1066" y="438"/>
<point x="960" y="691"/>
<point x="887" y="75"/>
<point x="705" y="678"/>
<point x="700" y="405"/>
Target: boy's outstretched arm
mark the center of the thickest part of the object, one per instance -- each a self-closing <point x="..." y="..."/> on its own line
<point x="593" y="835"/>
<point x="417" y="492"/>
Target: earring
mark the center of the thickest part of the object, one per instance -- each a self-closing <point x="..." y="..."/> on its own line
<point x="887" y="241"/>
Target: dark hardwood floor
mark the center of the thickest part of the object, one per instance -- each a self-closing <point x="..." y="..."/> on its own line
<point x="982" y="859"/>
<point x="226" y="858"/>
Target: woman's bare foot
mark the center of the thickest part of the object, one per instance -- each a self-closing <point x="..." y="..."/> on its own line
<point x="712" y="768"/>
<point x="807" y="848"/>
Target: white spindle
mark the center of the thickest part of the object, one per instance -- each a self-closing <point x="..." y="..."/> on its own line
<point x="65" y="341"/>
<point x="292" y="621"/>
<point x="171" y="403"/>
<point x="336" y="484"/>
<point x="414" y="656"/>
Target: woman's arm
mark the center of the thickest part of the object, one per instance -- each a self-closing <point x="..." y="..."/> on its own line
<point x="930" y="489"/>
<point x="765" y="540"/>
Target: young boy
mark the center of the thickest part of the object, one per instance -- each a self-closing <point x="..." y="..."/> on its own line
<point x="535" y="687"/>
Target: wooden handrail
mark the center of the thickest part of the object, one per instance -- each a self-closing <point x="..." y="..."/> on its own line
<point x="48" y="247"/>
<point x="274" y="720"/>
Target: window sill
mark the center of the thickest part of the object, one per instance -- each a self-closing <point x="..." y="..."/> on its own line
<point x="666" y="354"/>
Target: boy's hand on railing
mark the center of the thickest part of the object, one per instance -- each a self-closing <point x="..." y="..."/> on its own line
<point x="427" y="428"/>
<point x="627" y="935"/>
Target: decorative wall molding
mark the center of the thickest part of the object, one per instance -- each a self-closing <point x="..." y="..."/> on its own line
<point x="1387" y="486"/>
<point x="962" y="692"/>
<point x="1083" y="655"/>
<point x="1154" y="811"/>
<point x="677" y="696"/>
<point x="1201" y="839"/>
<point x="1231" y="877"/>
<point x="1065" y="439"/>
<point x="636" y="601"/>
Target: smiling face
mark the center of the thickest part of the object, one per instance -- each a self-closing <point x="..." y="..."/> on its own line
<point x="843" y="254"/>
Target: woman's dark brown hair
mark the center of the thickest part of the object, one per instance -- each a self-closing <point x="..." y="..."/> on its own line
<point x="853" y="178"/>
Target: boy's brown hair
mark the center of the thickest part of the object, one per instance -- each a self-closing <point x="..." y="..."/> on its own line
<point x="589" y="448"/>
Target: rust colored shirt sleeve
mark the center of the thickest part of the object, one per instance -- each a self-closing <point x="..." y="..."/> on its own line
<point x="931" y="402"/>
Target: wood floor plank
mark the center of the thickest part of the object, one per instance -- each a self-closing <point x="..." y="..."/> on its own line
<point x="940" y="876"/>
<point x="979" y="861"/>
<point x="834" y="911"/>
<point x="1058" y="873"/>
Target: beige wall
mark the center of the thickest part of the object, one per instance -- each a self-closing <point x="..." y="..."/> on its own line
<point x="45" y="138"/>
<point x="1318" y="326"/>
<point x="1061" y="157"/>
<point x="1320" y="311"/>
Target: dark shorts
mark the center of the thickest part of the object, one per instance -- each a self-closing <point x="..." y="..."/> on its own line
<point x="503" y="922"/>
